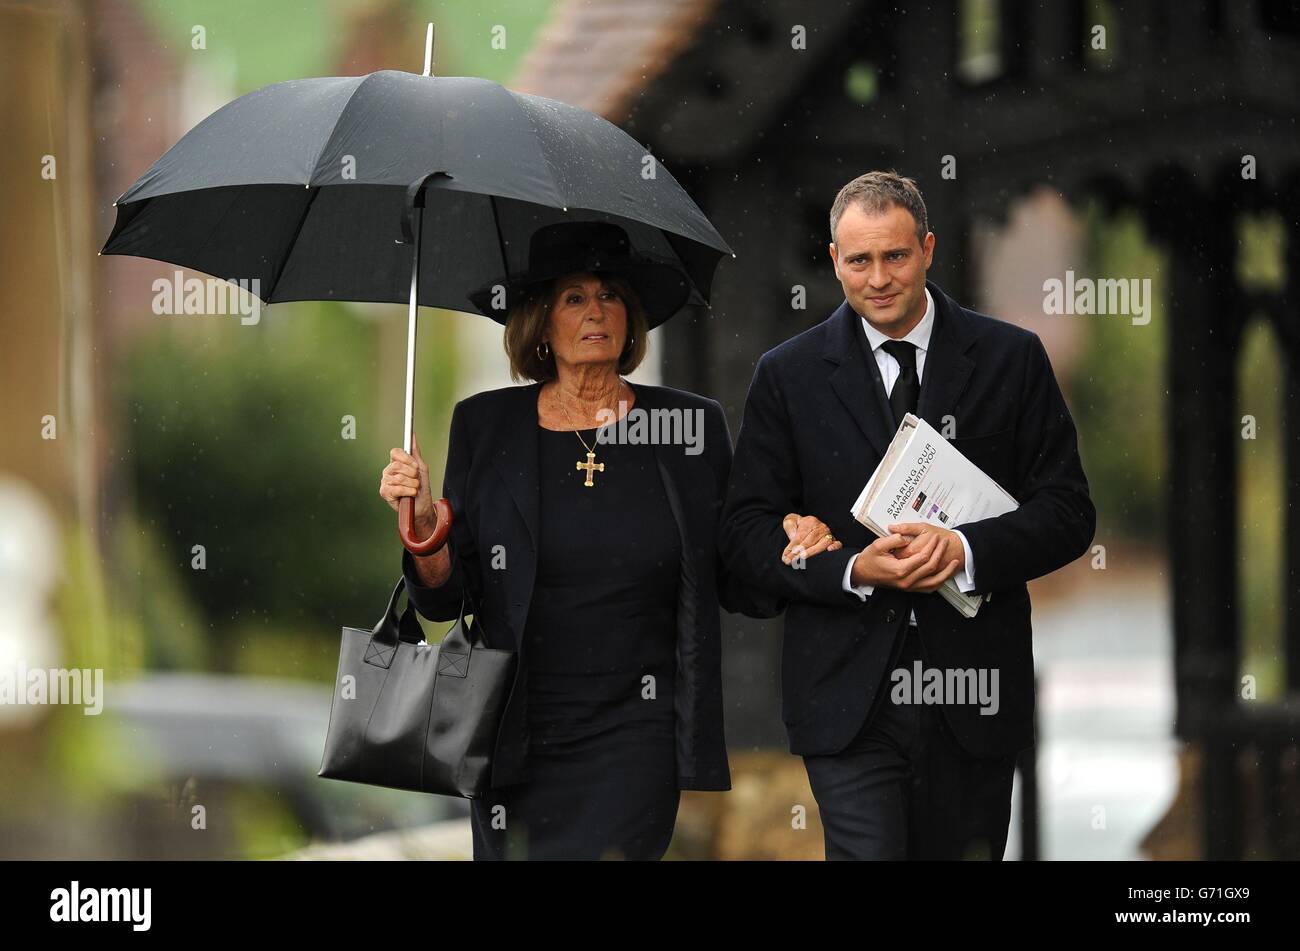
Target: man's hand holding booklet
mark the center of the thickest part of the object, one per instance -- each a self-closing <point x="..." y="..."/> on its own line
<point x="923" y="478"/>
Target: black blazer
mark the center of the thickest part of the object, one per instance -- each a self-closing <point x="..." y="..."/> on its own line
<point x="492" y="484"/>
<point x="816" y="424"/>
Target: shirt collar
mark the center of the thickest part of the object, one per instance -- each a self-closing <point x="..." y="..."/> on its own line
<point x="919" y="335"/>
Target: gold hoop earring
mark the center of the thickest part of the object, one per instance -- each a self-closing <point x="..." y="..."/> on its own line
<point x="538" y="350"/>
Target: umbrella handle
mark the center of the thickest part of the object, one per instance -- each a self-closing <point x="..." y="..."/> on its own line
<point x="406" y="526"/>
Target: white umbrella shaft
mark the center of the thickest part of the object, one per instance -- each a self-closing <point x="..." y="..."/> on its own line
<point x="410" y="332"/>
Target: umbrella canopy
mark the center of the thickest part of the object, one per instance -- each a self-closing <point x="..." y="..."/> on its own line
<point x="305" y="185"/>
<point x="392" y="187"/>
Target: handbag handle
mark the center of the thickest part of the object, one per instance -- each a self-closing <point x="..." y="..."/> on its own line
<point x="454" y="651"/>
<point x="459" y="642"/>
<point x="456" y="635"/>
<point x="390" y="628"/>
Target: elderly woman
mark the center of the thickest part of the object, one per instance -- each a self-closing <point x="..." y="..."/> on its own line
<point x="595" y="560"/>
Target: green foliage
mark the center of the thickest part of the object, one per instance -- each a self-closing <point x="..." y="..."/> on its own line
<point x="258" y="43"/>
<point x="1118" y="392"/>
<point x="1262" y="501"/>
<point x="155" y="625"/>
<point x="1261" y="252"/>
<point x="236" y="443"/>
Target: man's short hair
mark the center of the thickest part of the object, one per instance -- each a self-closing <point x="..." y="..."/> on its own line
<point x="875" y="193"/>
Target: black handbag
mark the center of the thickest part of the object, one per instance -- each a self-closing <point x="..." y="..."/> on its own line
<point x="411" y="715"/>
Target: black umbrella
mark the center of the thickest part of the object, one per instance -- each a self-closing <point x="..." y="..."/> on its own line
<point x="310" y="188"/>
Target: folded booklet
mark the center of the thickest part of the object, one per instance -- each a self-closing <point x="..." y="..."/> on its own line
<point x="922" y="478"/>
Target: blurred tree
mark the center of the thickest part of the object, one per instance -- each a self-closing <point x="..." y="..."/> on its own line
<point x="271" y="42"/>
<point x="1119" y="396"/>
<point x="1262" y="499"/>
<point x="239" y="443"/>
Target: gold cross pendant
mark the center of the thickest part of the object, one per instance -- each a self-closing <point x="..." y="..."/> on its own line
<point x="591" y="465"/>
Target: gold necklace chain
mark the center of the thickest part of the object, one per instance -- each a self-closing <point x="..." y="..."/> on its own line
<point x="570" y="418"/>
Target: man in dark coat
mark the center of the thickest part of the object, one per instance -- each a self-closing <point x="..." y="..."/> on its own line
<point x="897" y="771"/>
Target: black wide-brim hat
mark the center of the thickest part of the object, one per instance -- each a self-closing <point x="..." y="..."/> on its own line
<point x="598" y="247"/>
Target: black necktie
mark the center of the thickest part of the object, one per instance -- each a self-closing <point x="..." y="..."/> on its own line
<point x="907" y="388"/>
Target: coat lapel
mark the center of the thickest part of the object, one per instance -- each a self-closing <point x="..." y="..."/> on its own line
<point x="684" y="493"/>
<point x="947" y="368"/>
<point x="515" y="457"/>
<point x="856" y="380"/>
<point x="668" y="460"/>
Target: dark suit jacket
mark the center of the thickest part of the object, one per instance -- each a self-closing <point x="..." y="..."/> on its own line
<point x="492" y="484"/>
<point x="816" y="424"/>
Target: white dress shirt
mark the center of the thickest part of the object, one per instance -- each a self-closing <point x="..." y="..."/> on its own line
<point x="889" y="370"/>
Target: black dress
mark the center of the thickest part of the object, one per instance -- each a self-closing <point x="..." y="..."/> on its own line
<point x="598" y="658"/>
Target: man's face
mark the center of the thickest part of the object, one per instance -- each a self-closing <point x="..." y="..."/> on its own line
<point x="882" y="267"/>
